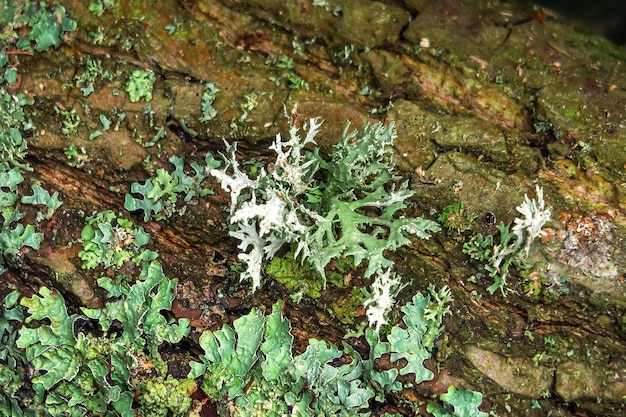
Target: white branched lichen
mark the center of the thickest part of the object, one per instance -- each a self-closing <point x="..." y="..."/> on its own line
<point x="291" y="166"/>
<point x="535" y="217"/>
<point x="385" y="288"/>
<point x="236" y="182"/>
<point x="351" y="209"/>
<point x="269" y="216"/>
<point x="517" y="242"/>
<point x="251" y="254"/>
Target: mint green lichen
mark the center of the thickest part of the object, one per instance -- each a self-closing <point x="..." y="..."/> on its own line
<point x="14" y="235"/>
<point x="12" y="123"/>
<point x="111" y="241"/>
<point x="42" y="197"/>
<point x="77" y="373"/>
<point x="71" y="121"/>
<point x="98" y="7"/>
<point x="86" y="79"/>
<point x="159" y="196"/>
<point x="49" y="27"/>
<point x="208" y="99"/>
<point x="251" y="369"/>
<point x="140" y="85"/>
<point x="479" y="247"/>
<point x="423" y="325"/>
<point x="12" y="359"/>
<point x="457" y="402"/>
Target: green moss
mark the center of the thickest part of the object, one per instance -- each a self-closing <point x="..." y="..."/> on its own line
<point x="456" y="219"/>
<point x="297" y="277"/>
<point x="162" y="396"/>
<point x="345" y="309"/>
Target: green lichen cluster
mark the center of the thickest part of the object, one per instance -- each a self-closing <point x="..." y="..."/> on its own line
<point x="86" y="79"/>
<point x="76" y="156"/>
<point x="251" y="365"/>
<point x="98" y="7"/>
<point x="355" y="211"/>
<point x="208" y="99"/>
<point x="14" y="234"/>
<point x="75" y="372"/>
<point x="110" y="241"/>
<point x="457" y="402"/>
<point x="13" y="122"/>
<point x="13" y="361"/>
<point x="140" y="85"/>
<point x="250" y="368"/>
<point x="160" y="197"/>
<point x="45" y="27"/>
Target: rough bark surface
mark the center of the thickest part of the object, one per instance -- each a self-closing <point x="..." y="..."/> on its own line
<point x="488" y="100"/>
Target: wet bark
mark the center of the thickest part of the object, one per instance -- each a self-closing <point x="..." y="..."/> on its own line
<point x="487" y="101"/>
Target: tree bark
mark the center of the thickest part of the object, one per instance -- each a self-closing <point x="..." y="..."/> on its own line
<point x="488" y="99"/>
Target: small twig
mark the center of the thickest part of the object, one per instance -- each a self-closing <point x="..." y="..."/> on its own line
<point x="19" y="52"/>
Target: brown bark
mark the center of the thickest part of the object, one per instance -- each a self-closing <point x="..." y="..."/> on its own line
<point x="491" y="102"/>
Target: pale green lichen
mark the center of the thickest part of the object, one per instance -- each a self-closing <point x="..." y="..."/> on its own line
<point x="355" y="211"/>
<point x="111" y="241"/>
<point x="251" y="367"/>
<point x="140" y="85"/>
<point x="159" y="197"/>
<point x="77" y="373"/>
<point x="47" y="27"/>
<point x="514" y="243"/>
<point x="12" y="122"/>
<point x="208" y="99"/>
<point x="15" y="235"/>
<point x="457" y="402"/>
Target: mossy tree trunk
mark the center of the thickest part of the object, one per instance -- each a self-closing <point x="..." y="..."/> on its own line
<point x="487" y="101"/>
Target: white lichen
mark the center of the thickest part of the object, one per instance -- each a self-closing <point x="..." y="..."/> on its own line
<point x="251" y="254"/>
<point x="236" y="182"/>
<point x="269" y="216"/>
<point x="529" y="227"/>
<point x="516" y="243"/>
<point x="385" y="288"/>
<point x="291" y="166"/>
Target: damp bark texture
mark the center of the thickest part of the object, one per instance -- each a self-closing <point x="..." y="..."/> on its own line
<point x="489" y="99"/>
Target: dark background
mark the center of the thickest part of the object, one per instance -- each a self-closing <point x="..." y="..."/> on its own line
<point x="604" y="17"/>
